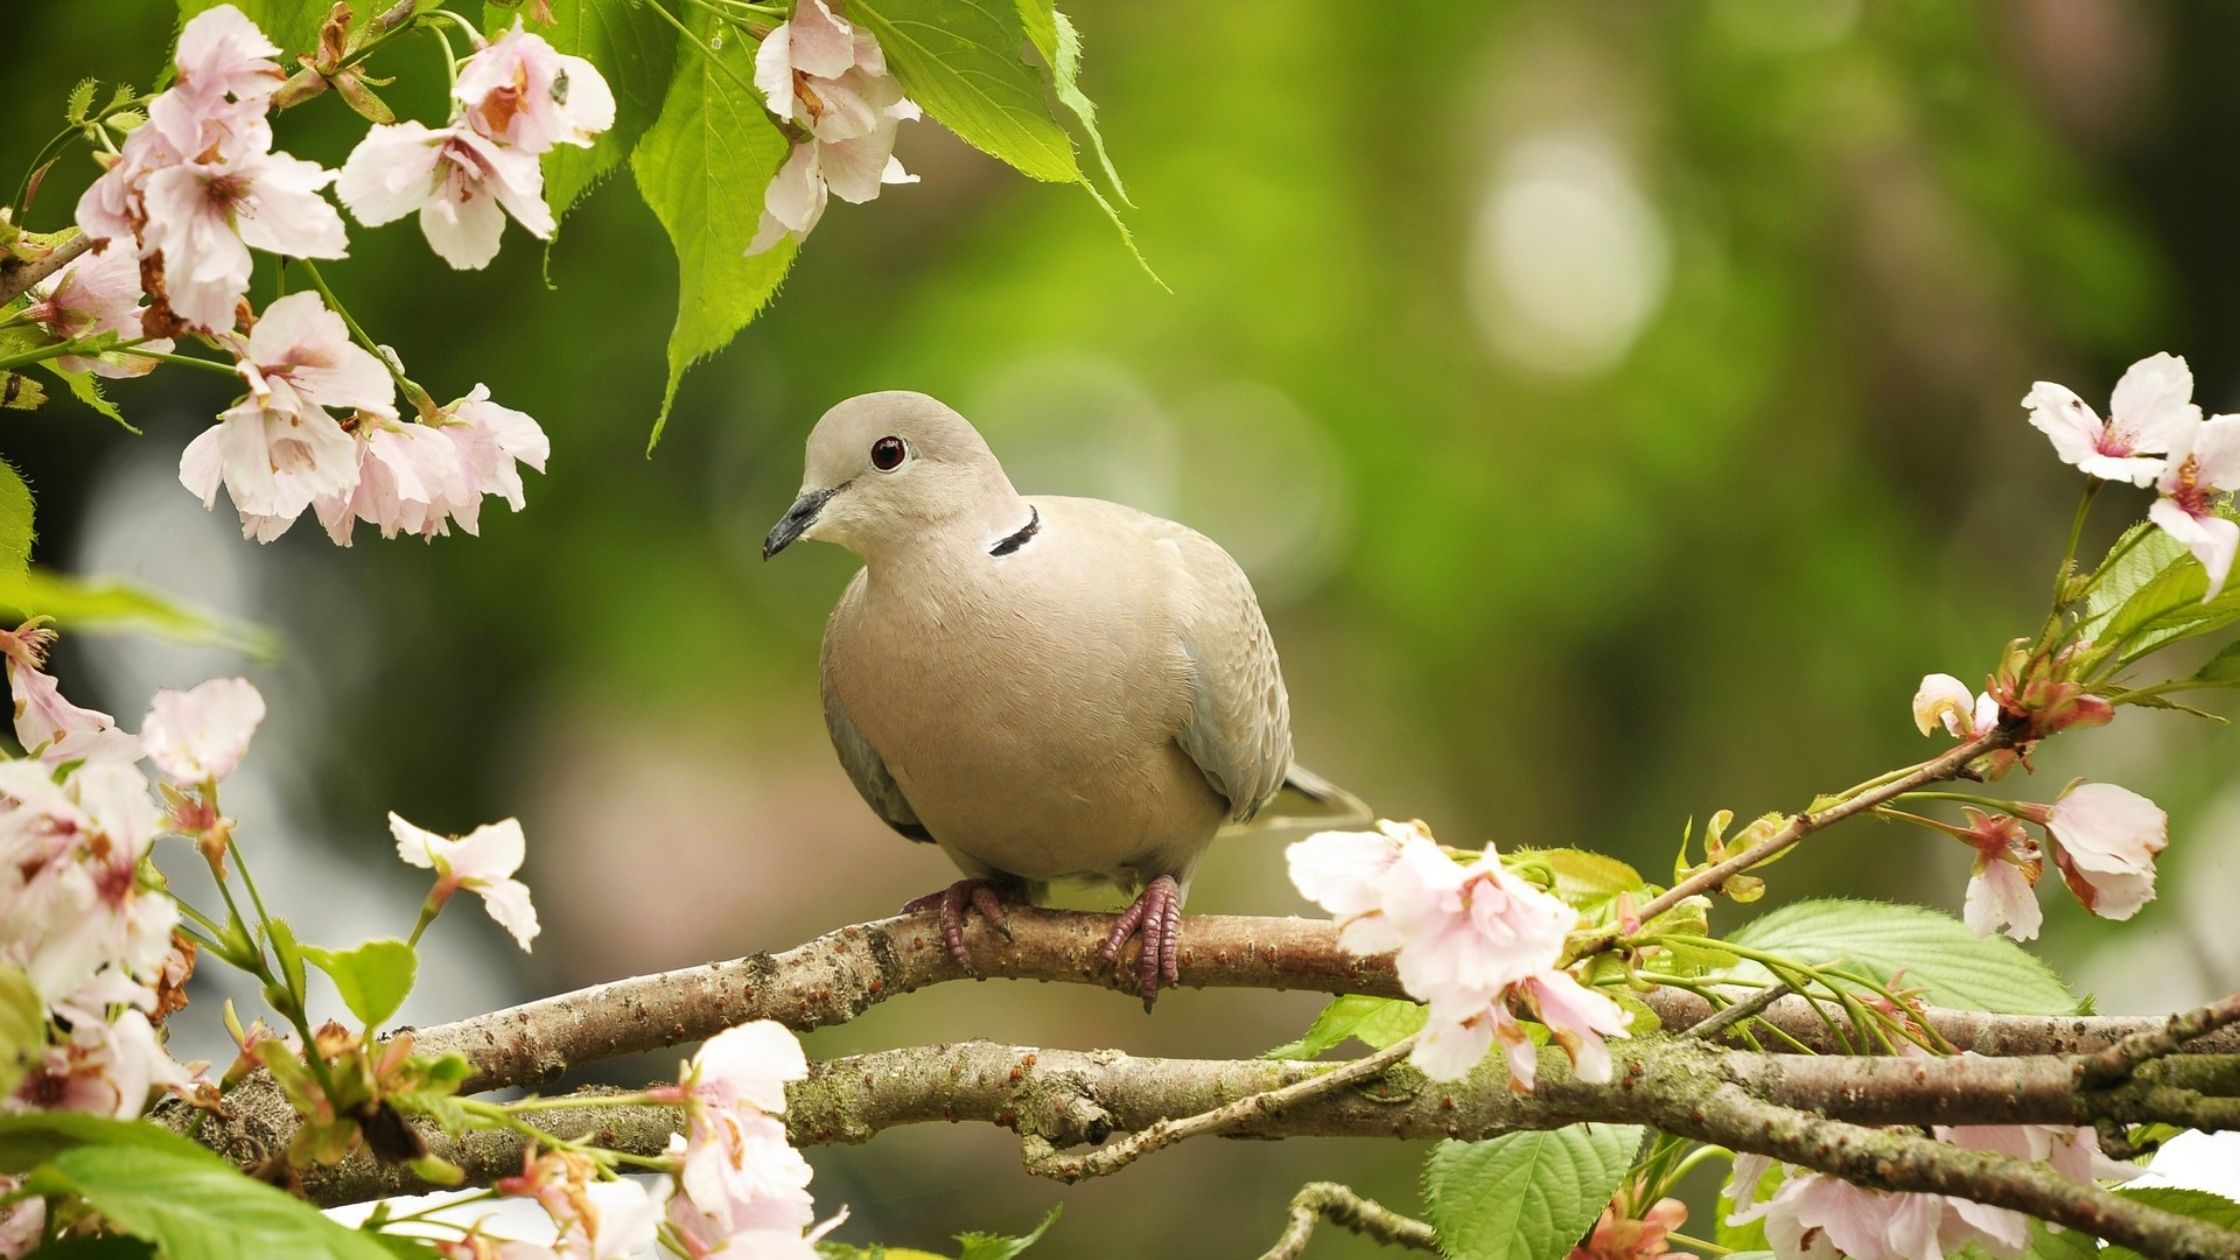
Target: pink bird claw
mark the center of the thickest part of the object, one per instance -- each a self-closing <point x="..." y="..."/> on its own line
<point x="1156" y="917"/>
<point x="984" y="895"/>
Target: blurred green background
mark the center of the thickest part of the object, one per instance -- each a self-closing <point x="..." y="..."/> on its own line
<point x="1615" y="404"/>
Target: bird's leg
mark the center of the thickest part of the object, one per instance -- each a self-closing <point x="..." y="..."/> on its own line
<point x="1156" y="916"/>
<point x="984" y="895"/>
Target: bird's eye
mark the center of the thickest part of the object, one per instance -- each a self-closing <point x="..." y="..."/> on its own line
<point x="887" y="453"/>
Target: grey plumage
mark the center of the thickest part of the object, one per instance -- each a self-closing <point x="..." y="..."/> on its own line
<point x="1047" y="688"/>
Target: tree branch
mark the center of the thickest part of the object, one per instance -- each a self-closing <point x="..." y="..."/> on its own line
<point x="1327" y="1200"/>
<point x="17" y="276"/>
<point x="1811" y="1111"/>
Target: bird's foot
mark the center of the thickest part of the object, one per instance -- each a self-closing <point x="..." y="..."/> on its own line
<point x="984" y="895"/>
<point x="1156" y="916"/>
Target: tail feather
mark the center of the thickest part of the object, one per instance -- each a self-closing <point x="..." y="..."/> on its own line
<point x="1308" y="799"/>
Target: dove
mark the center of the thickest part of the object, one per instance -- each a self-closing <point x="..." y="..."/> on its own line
<point x="1047" y="688"/>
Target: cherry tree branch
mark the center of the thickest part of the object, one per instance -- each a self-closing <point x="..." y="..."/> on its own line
<point x="1339" y="1205"/>
<point x="17" y="276"/>
<point x="1935" y="770"/>
<point x="1823" y="1112"/>
<point x="840" y="975"/>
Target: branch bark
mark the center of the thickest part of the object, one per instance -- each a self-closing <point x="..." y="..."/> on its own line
<point x="843" y="973"/>
<point x="17" y="276"/>
<point x="1819" y="1112"/>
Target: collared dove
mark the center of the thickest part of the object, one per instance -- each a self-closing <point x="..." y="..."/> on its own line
<point x="1047" y="688"/>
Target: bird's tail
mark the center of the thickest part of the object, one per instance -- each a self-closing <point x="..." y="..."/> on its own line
<point x="1309" y="800"/>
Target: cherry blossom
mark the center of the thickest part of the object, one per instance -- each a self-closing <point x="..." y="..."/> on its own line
<point x="200" y="735"/>
<point x="829" y="77"/>
<point x="462" y="184"/>
<point x="2202" y="467"/>
<point x="2002" y="886"/>
<point x="278" y="449"/>
<point x="48" y="726"/>
<point x="482" y="862"/>
<point x="221" y="54"/>
<point x="97" y="294"/>
<point x="204" y="217"/>
<point x="1944" y="699"/>
<point x="23" y="1224"/>
<point x="2106" y="839"/>
<point x="593" y="1219"/>
<point x="2149" y="417"/>
<point x="71" y="903"/>
<point x="522" y="92"/>
<point x="418" y="478"/>
<point x="1619" y="1237"/>
<point x="107" y="1069"/>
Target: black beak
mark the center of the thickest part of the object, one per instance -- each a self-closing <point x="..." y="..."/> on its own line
<point x="798" y="518"/>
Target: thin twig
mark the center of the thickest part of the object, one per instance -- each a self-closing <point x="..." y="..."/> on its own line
<point x="1339" y="1205"/>
<point x="1043" y="1159"/>
<point x="1756" y="1004"/>
<point x="1799" y="826"/>
<point x="17" y="277"/>
<point x="2118" y="1061"/>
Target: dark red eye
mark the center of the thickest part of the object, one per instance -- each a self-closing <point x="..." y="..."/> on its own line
<point x="887" y="453"/>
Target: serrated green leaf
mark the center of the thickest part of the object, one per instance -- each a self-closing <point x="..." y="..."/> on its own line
<point x="197" y="1207"/>
<point x="999" y="1247"/>
<point x="2224" y="667"/>
<point x="1936" y="951"/>
<point x="373" y="979"/>
<point x="16" y="532"/>
<point x="2198" y="1204"/>
<point x="1584" y="878"/>
<point x="1377" y="1022"/>
<point x="635" y="51"/>
<point x="86" y="388"/>
<point x="1525" y="1196"/>
<point x="1065" y="69"/>
<point x="702" y="167"/>
<point x="80" y="102"/>
<point x="959" y="59"/>
<point x="23" y="1027"/>
<point x="31" y="1138"/>
<point x="100" y="605"/>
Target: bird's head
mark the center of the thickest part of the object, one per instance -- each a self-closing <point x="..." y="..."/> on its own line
<point x="888" y="469"/>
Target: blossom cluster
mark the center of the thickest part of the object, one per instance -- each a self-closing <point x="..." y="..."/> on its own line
<point x="1474" y="942"/>
<point x="2105" y="838"/>
<point x="193" y="191"/>
<point x="826" y="79"/>
<point x="739" y="1187"/>
<point x="2154" y="434"/>
<point x="80" y="914"/>
<point x="1814" y="1216"/>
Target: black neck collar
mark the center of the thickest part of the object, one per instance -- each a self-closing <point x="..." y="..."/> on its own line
<point x="1026" y="532"/>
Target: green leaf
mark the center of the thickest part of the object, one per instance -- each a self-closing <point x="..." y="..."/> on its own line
<point x="1065" y="70"/>
<point x="635" y="51"/>
<point x="292" y="24"/>
<point x="373" y="978"/>
<point x="95" y="1249"/>
<point x="198" y="1207"/>
<point x="1585" y="879"/>
<point x="999" y="1247"/>
<point x="288" y="954"/>
<point x="2224" y="667"/>
<point x="1959" y="968"/>
<point x="2198" y="1204"/>
<point x="959" y="59"/>
<point x="23" y="1026"/>
<point x="32" y="1138"/>
<point x="1525" y="1196"/>
<point x="702" y="167"/>
<point x="20" y="393"/>
<point x="80" y="102"/>
<point x="16" y="533"/>
<point x="1377" y="1022"/>
<point x="86" y="388"/>
<point x="2142" y="552"/>
<point x="100" y="605"/>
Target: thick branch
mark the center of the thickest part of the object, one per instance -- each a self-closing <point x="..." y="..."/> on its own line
<point x="1063" y="1098"/>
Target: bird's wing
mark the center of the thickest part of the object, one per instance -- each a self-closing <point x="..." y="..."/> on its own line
<point x="866" y="769"/>
<point x="1239" y="728"/>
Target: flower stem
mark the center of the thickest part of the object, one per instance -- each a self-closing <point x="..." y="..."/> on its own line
<point x="1697" y="1244"/>
<point x="1966" y="798"/>
<point x="525" y="1106"/>
<point x="714" y="58"/>
<point x="429" y="909"/>
<point x="208" y="365"/>
<point x="2068" y="564"/>
<point x="413" y="394"/>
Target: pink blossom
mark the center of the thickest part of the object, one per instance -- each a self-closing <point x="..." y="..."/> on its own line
<point x="1619" y="1237"/>
<point x="2003" y="883"/>
<point x="829" y="77"/>
<point x="2149" y="416"/>
<point x="774" y="1229"/>
<point x="522" y="92"/>
<point x="742" y="1181"/>
<point x="1343" y="872"/>
<point x="1944" y="699"/>
<point x="2203" y="467"/>
<point x="462" y="184"/>
<point x="418" y="478"/>
<point x="97" y="294"/>
<point x="204" y="216"/>
<point x="221" y="54"/>
<point x="200" y="735"/>
<point x="1578" y="1018"/>
<point x="482" y="862"/>
<point x="1467" y="932"/>
<point x="277" y="450"/>
<point x="107" y="1069"/>
<point x="745" y="1067"/>
<point x="48" y="726"/>
<point x="2106" y="839"/>
<point x="70" y="896"/>
<point x="23" y="1224"/>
